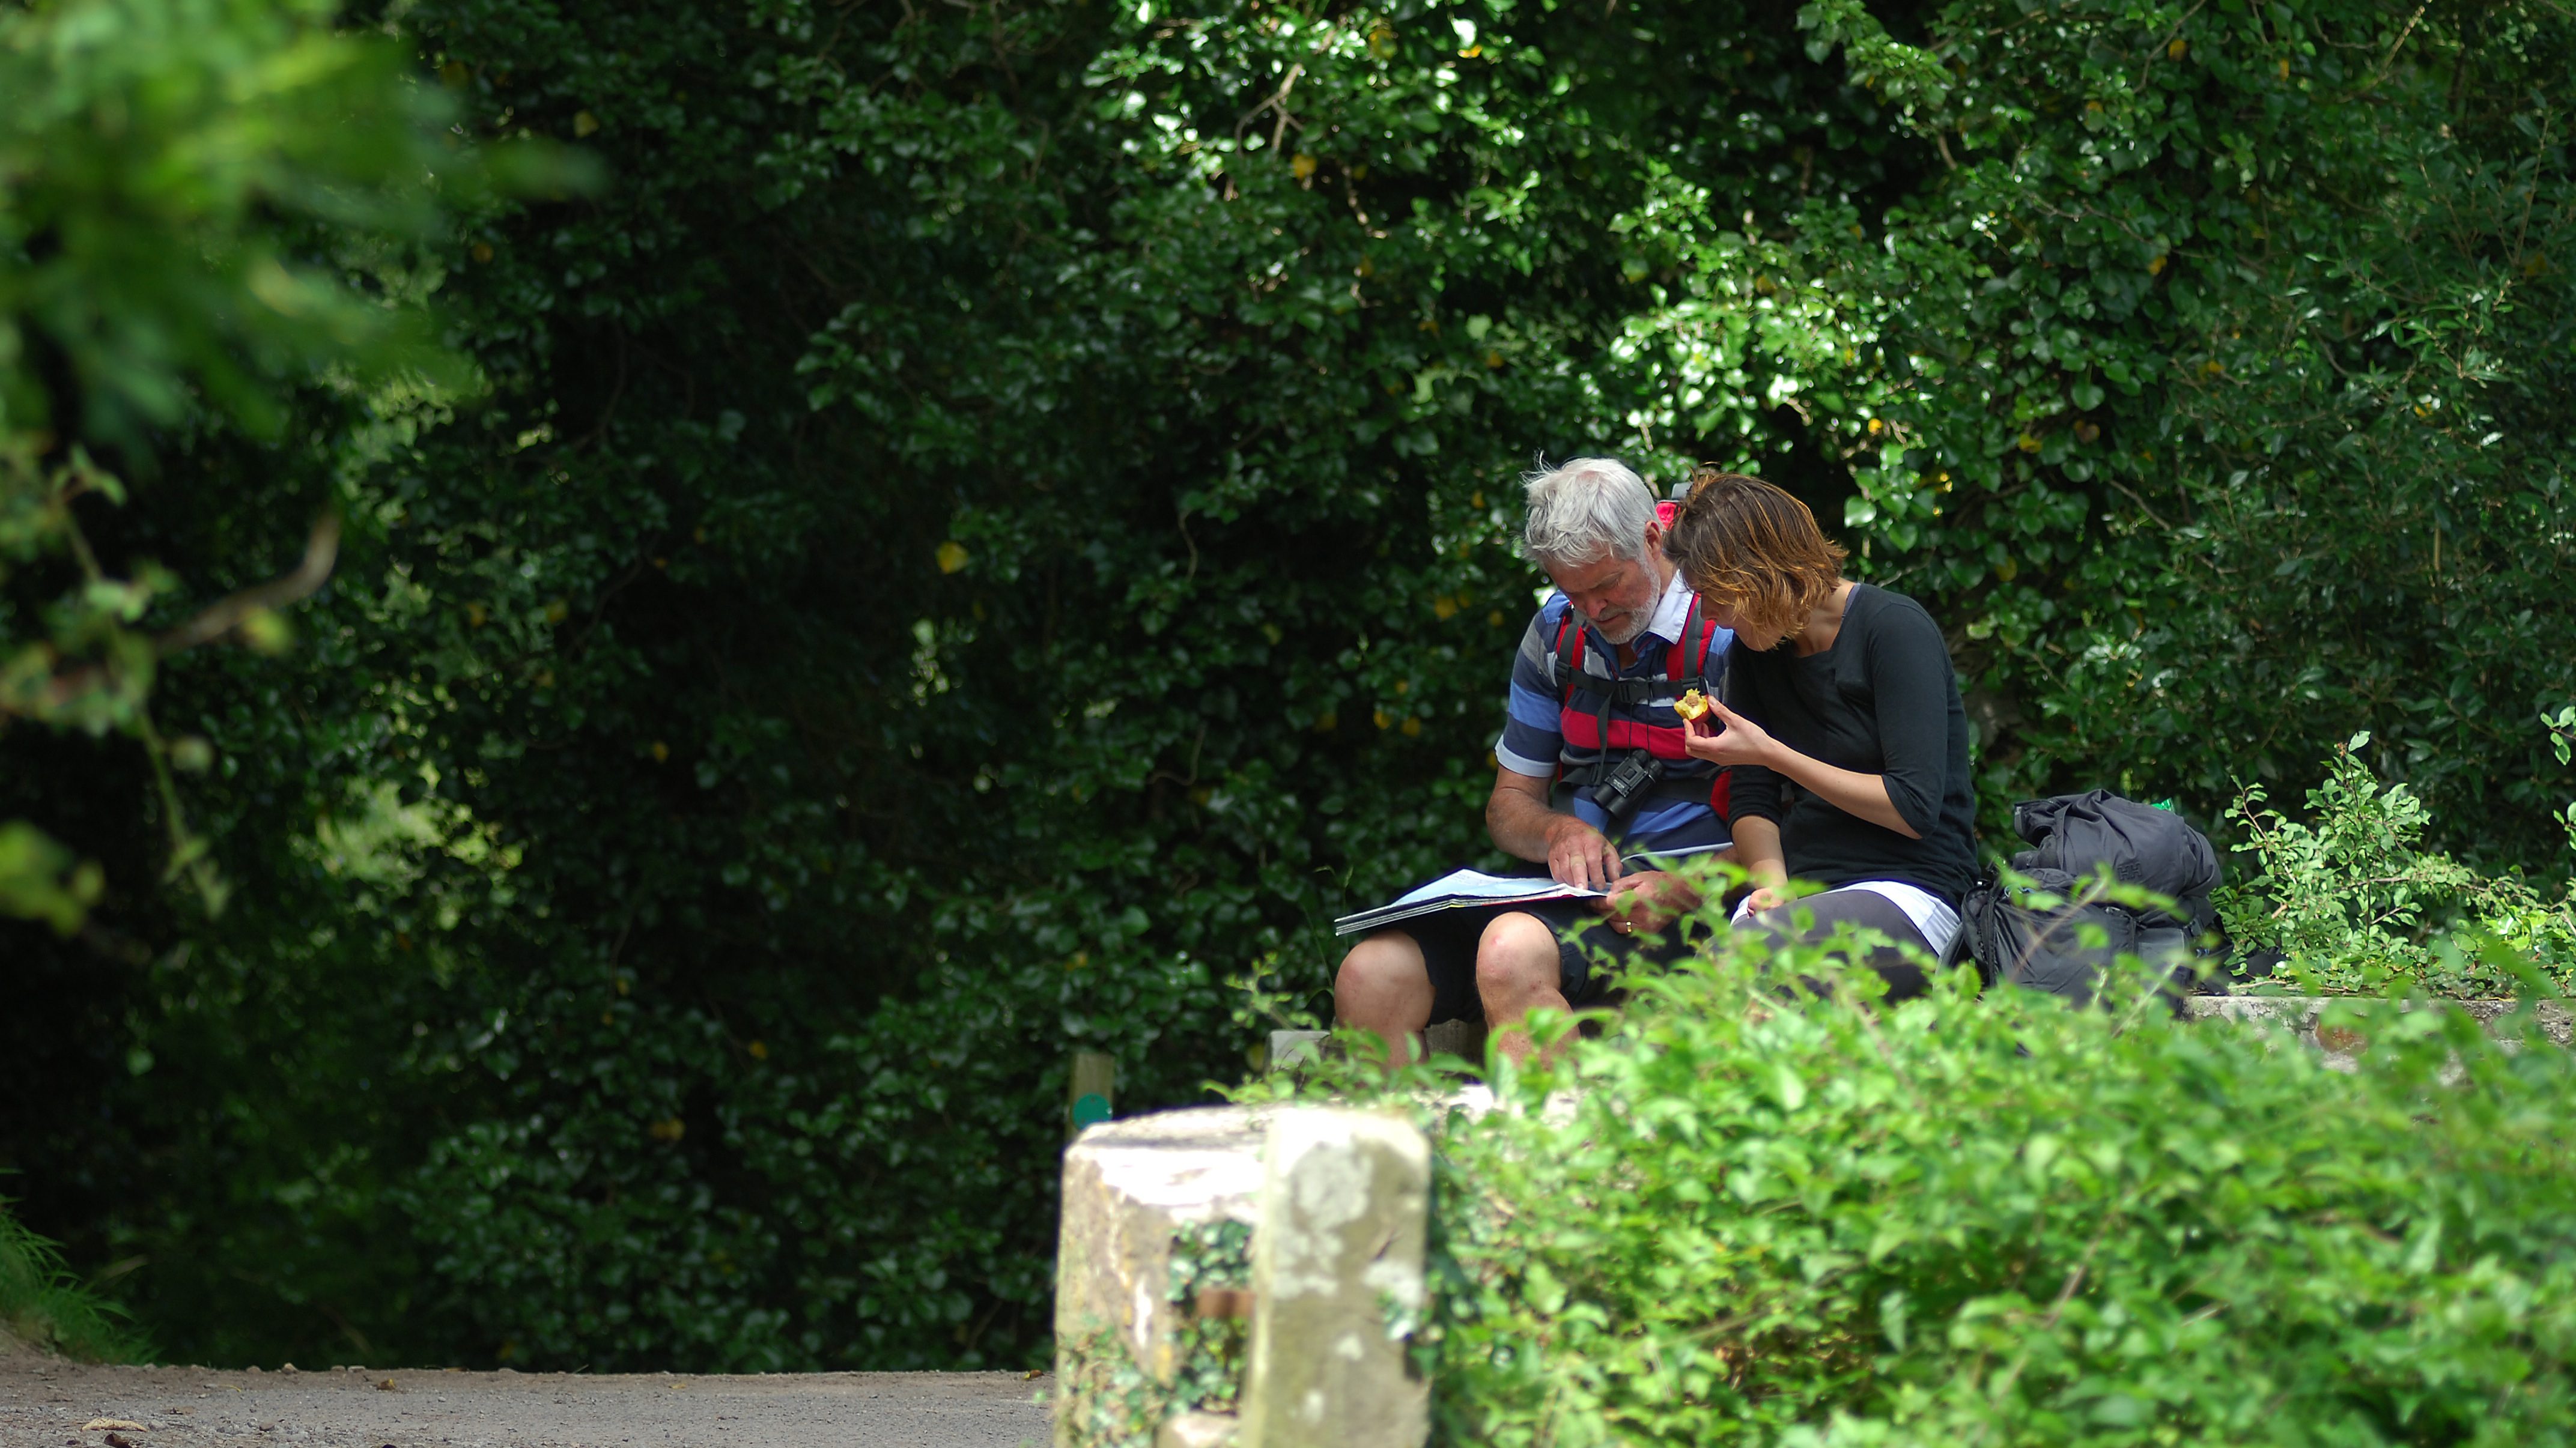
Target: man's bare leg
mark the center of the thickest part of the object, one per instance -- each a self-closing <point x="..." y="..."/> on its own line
<point x="1383" y="986"/>
<point x="1516" y="973"/>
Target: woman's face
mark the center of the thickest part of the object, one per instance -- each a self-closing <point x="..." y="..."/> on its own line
<point x="1752" y="634"/>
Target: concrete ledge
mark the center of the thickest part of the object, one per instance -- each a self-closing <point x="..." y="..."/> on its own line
<point x="2300" y="1015"/>
<point x="1291" y="1049"/>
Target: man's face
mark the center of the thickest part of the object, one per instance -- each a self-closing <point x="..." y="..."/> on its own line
<point x="1617" y="595"/>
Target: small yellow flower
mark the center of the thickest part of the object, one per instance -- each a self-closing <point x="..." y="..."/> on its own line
<point x="1301" y="165"/>
<point x="584" y="123"/>
<point x="952" y="555"/>
<point x="1444" y="608"/>
<point x="1412" y="729"/>
<point x="661" y="752"/>
<point x="2155" y="266"/>
<point x="2027" y="443"/>
<point x="759" y="1050"/>
<point x="1382" y="719"/>
<point x="2175" y="50"/>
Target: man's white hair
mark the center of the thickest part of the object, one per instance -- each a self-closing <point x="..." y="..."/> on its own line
<point x="1586" y="509"/>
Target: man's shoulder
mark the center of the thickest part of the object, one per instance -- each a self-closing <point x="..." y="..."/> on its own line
<point x="1534" y="661"/>
<point x="1540" y="636"/>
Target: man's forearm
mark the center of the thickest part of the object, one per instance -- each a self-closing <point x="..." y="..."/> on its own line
<point x="1518" y="824"/>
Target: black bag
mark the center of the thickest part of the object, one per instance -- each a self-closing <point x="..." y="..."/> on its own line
<point x="2073" y="835"/>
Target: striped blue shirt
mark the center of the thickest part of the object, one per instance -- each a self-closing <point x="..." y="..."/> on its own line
<point x="1676" y="818"/>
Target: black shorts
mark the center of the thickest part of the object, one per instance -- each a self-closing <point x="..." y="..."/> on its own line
<point x="1584" y="943"/>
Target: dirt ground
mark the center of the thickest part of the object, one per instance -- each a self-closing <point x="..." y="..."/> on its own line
<point x="47" y="1403"/>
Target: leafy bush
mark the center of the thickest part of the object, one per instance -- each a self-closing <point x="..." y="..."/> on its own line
<point x="2358" y="904"/>
<point x="1758" y="1218"/>
<point x="44" y="1306"/>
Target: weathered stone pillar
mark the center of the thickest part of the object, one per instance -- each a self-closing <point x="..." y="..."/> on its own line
<point x="1337" y="1284"/>
<point x="1130" y="1187"/>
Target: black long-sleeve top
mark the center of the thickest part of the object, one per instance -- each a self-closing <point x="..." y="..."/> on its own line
<point x="1885" y="701"/>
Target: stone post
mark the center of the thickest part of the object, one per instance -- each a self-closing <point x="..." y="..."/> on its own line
<point x="1337" y="1284"/>
<point x="1130" y="1187"/>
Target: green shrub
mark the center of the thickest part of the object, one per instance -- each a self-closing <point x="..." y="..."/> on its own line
<point x="44" y="1306"/>
<point x="1751" y="1218"/>
<point x="2359" y="905"/>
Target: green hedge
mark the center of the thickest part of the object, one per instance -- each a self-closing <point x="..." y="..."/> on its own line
<point x="43" y="1306"/>
<point x="1765" y="1219"/>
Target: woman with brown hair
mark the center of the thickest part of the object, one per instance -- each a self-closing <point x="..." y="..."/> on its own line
<point x="1844" y="691"/>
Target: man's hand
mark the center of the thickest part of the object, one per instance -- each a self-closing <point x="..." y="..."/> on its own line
<point x="1578" y="854"/>
<point x="1723" y="737"/>
<point x="1647" y="901"/>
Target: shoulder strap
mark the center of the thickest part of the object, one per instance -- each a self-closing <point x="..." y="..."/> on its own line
<point x="1677" y="670"/>
<point x="1569" y="653"/>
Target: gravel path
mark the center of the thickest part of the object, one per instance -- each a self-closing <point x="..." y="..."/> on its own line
<point x="49" y="1404"/>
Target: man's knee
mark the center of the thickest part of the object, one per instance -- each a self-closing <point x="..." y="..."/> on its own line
<point x="1516" y="957"/>
<point x="1383" y="981"/>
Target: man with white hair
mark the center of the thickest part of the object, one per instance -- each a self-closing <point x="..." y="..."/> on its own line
<point x="1592" y="696"/>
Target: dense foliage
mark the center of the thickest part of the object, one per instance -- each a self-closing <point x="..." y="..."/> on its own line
<point x="991" y="521"/>
<point x="2352" y="900"/>
<point x="42" y="1305"/>
<point x="1764" y="1220"/>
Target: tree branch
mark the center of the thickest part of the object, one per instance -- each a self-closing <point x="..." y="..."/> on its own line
<point x="321" y="551"/>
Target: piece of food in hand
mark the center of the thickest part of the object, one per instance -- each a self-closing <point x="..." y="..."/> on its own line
<point x="1692" y="705"/>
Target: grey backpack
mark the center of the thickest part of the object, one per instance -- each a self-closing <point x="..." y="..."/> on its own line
<point x="2073" y="835"/>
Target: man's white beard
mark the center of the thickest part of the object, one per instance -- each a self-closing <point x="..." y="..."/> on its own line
<point x="1627" y="630"/>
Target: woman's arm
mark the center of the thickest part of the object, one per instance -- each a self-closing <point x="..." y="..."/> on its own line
<point x="1862" y="796"/>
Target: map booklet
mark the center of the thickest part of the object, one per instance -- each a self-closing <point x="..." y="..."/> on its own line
<point x="1474" y="889"/>
<point x="1464" y="888"/>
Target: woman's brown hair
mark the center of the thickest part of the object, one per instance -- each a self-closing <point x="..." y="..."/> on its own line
<point x="1742" y="543"/>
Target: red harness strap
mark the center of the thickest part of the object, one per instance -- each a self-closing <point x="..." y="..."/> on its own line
<point x="1583" y="731"/>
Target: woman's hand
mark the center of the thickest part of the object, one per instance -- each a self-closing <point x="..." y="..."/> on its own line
<point x="1738" y="741"/>
<point x="1764" y="897"/>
